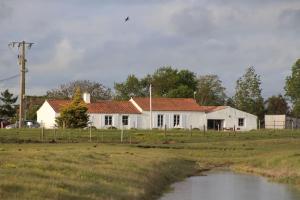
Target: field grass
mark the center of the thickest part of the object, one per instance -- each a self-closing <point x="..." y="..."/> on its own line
<point x="68" y="166"/>
<point x="134" y="136"/>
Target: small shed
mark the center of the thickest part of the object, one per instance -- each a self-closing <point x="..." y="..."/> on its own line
<point x="281" y="122"/>
<point x="228" y="118"/>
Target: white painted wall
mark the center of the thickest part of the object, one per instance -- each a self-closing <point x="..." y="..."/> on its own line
<point x="98" y="120"/>
<point x="187" y="119"/>
<point x="275" y="121"/>
<point x="231" y="116"/>
<point x="281" y="122"/>
<point x="46" y="115"/>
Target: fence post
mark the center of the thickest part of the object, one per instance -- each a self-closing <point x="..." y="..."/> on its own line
<point x="69" y="136"/>
<point x="97" y="135"/>
<point x="62" y="134"/>
<point x="54" y="134"/>
<point x="122" y="132"/>
<point x="274" y="125"/>
<point x="42" y="134"/>
<point x="90" y="134"/>
<point x="218" y="127"/>
<point x="204" y="130"/>
<point x="259" y="124"/>
<point x="292" y="128"/>
<point x="233" y="130"/>
<point x="165" y="130"/>
<point x="191" y="130"/>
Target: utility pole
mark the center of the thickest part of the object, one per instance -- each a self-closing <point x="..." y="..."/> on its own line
<point x="22" y="62"/>
<point x="150" y="106"/>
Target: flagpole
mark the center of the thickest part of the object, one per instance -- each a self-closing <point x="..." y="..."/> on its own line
<point x="150" y="90"/>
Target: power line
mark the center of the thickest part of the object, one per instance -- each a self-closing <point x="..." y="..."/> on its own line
<point x="10" y="78"/>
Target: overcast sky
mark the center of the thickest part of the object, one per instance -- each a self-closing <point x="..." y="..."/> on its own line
<point x="80" y="39"/>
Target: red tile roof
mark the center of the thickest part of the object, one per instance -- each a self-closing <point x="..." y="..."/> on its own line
<point x="57" y="104"/>
<point x="169" y="104"/>
<point x="126" y="107"/>
<point x="109" y="107"/>
<point x="122" y="107"/>
<point x="212" y="108"/>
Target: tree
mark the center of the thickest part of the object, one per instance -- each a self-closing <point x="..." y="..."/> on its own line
<point x="187" y="78"/>
<point x="66" y="91"/>
<point x="292" y="88"/>
<point x="248" y="93"/>
<point x="296" y="109"/>
<point x="182" y="91"/>
<point x="210" y="90"/>
<point x="132" y="87"/>
<point x="7" y="107"/>
<point x="230" y="102"/>
<point x="74" y="115"/>
<point x="32" y="104"/>
<point x="169" y="82"/>
<point x="185" y="86"/>
<point x="166" y="82"/>
<point x="276" y="105"/>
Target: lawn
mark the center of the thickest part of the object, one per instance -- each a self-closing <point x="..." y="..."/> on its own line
<point x="66" y="165"/>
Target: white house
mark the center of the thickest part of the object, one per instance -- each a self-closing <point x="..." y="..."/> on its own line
<point x="169" y="112"/>
<point x="102" y="114"/>
<point x="165" y="112"/>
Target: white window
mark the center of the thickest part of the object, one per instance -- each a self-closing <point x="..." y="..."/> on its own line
<point x="241" y="121"/>
<point x="160" y="120"/>
<point x="125" y="120"/>
<point x="108" y="120"/>
<point x="176" y="121"/>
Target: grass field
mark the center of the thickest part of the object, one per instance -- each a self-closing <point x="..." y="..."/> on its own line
<point x="65" y="165"/>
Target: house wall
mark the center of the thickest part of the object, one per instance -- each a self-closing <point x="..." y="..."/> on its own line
<point x="187" y="119"/>
<point x="281" y="122"/>
<point x="46" y="115"/>
<point x="231" y="116"/>
<point x="275" y="121"/>
<point x="98" y="120"/>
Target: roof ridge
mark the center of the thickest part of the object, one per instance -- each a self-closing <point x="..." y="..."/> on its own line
<point x="171" y="98"/>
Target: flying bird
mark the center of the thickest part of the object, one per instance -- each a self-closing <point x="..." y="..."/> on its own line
<point x="127" y="19"/>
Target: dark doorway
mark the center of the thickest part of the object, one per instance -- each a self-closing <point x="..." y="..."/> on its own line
<point x="214" y="124"/>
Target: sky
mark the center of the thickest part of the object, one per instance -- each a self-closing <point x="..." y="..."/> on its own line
<point x="89" y="40"/>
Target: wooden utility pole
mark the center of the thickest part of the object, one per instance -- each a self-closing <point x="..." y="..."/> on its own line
<point x="150" y="91"/>
<point x="22" y="62"/>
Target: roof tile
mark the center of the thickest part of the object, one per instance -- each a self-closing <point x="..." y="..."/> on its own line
<point x="109" y="107"/>
<point x="169" y="104"/>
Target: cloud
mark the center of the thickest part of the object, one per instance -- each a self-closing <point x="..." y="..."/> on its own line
<point x="194" y="22"/>
<point x="63" y="58"/>
<point x="89" y="40"/>
<point x="289" y="19"/>
<point x="5" y="10"/>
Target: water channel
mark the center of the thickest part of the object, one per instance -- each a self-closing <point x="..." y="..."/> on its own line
<point x="226" y="185"/>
